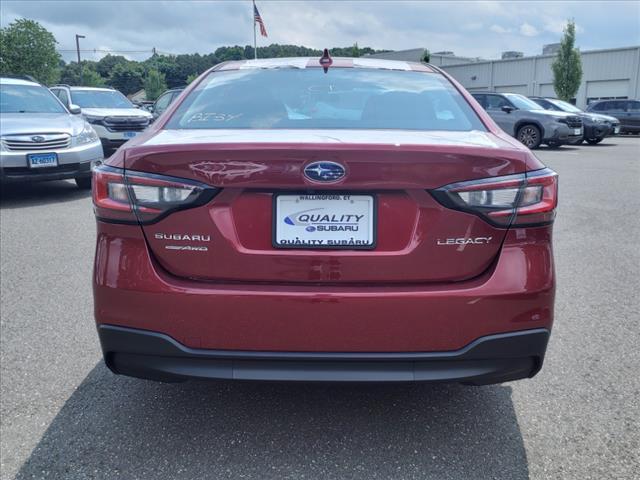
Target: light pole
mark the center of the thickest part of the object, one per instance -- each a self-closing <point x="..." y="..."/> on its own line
<point x="78" y="37"/>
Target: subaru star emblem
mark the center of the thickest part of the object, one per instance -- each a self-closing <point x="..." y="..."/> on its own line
<point x="38" y="138"/>
<point x="324" y="171"/>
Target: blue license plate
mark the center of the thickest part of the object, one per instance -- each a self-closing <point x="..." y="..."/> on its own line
<point x="130" y="134"/>
<point x="41" y="160"/>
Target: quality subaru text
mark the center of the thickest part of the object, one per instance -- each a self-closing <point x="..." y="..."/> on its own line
<point x="344" y="219"/>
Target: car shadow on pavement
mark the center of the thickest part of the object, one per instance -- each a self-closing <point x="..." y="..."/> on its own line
<point x="18" y="195"/>
<point x="117" y="427"/>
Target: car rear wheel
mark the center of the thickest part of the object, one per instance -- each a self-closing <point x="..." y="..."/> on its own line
<point x="83" y="183"/>
<point x="593" y="141"/>
<point x="530" y="136"/>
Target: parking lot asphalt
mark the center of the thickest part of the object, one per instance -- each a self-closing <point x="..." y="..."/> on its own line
<point x="65" y="416"/>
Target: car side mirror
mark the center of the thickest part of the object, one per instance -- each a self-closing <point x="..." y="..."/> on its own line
<point x="75" y="109"/>
<point x="507" y="109"/>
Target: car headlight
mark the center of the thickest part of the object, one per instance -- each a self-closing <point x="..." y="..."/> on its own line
<point x="92" y="119"/>
<point x="87" y="135"/>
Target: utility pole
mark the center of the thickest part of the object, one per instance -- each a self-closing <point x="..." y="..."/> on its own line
<point x="78" y="37"/>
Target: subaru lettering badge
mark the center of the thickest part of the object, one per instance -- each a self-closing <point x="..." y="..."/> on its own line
<point x="324" y="171"/>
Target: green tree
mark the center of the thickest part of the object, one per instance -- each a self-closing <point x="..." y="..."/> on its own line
<point x="426" y="56"/>
<point x="567" y="66"/>
<point x="91" y="78"/>
<point x="192" y="77"/>
<point x="127" y="77"/>
<point x="107" y="63"/>
<point x="70" y="74"/>
<point x="231" y="53"/>
<point x="27" y="48"/>
<point x="154" y="84"/>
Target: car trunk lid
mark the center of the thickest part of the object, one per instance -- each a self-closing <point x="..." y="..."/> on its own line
<point x="417" y="240"/>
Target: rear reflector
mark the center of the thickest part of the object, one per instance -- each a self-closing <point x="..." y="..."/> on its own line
<point x="524" y="199"/>
<point x="131" y="197"/>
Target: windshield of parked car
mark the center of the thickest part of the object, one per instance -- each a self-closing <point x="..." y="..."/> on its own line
<point x="99" y="99"/>
<point x="28" y="99"/>
<point x="522" y="102"/>
<point x="342" y="98"/>
<point x="565" y="106"/>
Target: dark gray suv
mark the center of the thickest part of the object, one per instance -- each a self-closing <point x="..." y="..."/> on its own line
<point x="627" y="111"/>
<point x="529" y="122"/>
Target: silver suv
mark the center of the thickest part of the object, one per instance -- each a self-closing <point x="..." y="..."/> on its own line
<point x="40" y="139"/>
<point x="527" y="121"/>
<point x="114" y="118"/>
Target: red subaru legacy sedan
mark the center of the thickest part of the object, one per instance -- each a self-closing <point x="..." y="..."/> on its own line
<point x="336" y="220"/>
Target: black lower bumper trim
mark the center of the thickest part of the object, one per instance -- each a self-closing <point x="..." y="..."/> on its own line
<point x="491" y="359"/>
<point x="61" y="172"/>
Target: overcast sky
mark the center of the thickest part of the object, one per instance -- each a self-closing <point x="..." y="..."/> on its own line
<point x="482" y="29"/>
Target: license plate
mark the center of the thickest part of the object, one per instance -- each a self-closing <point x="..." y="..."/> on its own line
<point x="616" y="130"/>
<point x="130" y="134"/>
<point x="577" y="131"/>
<point x="328" y="220"/>
<point x="41" y="160"/>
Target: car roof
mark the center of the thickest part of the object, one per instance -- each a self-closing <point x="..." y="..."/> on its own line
<point x="314" y="62"/>
<point x="97" y="89"/>
<point x="17" y="81"/>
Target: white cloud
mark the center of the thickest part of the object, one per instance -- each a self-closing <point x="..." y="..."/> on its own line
<point x="472" y="26"/>
<point x="528" y="30"/>
<point x="499" y="29"/>
<point x="556" y="25"/>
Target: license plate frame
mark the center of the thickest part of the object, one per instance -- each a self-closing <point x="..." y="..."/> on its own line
<point x="577" y="131"/>
<point x="34" y="156"/>
<point x="371" y="224"/>
<point x="129" y="135"/>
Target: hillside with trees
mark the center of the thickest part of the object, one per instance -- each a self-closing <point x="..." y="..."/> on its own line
<point x="155" y="74"/>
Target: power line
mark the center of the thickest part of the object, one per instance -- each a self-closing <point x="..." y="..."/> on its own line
<point x="96" y="50"/>
<point x="102" y="50"/>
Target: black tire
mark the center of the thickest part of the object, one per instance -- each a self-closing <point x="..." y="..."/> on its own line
<point x="530" y="136"/>
<point x="593" y="141"/>
<point x="83" y="183"/>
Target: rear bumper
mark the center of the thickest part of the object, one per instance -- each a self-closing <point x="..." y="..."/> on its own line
<point x="131" y="290"/>
<point x="487" y="360"/>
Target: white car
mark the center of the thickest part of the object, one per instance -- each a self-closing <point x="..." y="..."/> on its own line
<point x="114" y="118"/>
<point x="40" y="139"/>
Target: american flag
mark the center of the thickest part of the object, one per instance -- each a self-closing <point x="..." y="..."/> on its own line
<point x="258" y="19"/>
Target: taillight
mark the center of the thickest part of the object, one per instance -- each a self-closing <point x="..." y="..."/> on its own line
<point x="131" y="197"/>
<point x="524" y="199"/>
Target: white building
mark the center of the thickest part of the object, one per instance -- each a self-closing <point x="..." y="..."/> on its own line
<point x="606" y="74"/>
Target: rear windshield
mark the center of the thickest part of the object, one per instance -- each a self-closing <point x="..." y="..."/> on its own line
<point x="565" y="106"/>
<point x="342" y="98"/>
<point x="28" y="99"/>
<point x="99" y="99"/>
<point x="522" y="102"/>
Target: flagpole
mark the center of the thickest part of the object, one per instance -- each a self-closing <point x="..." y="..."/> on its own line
<point x="255" y="42"/>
